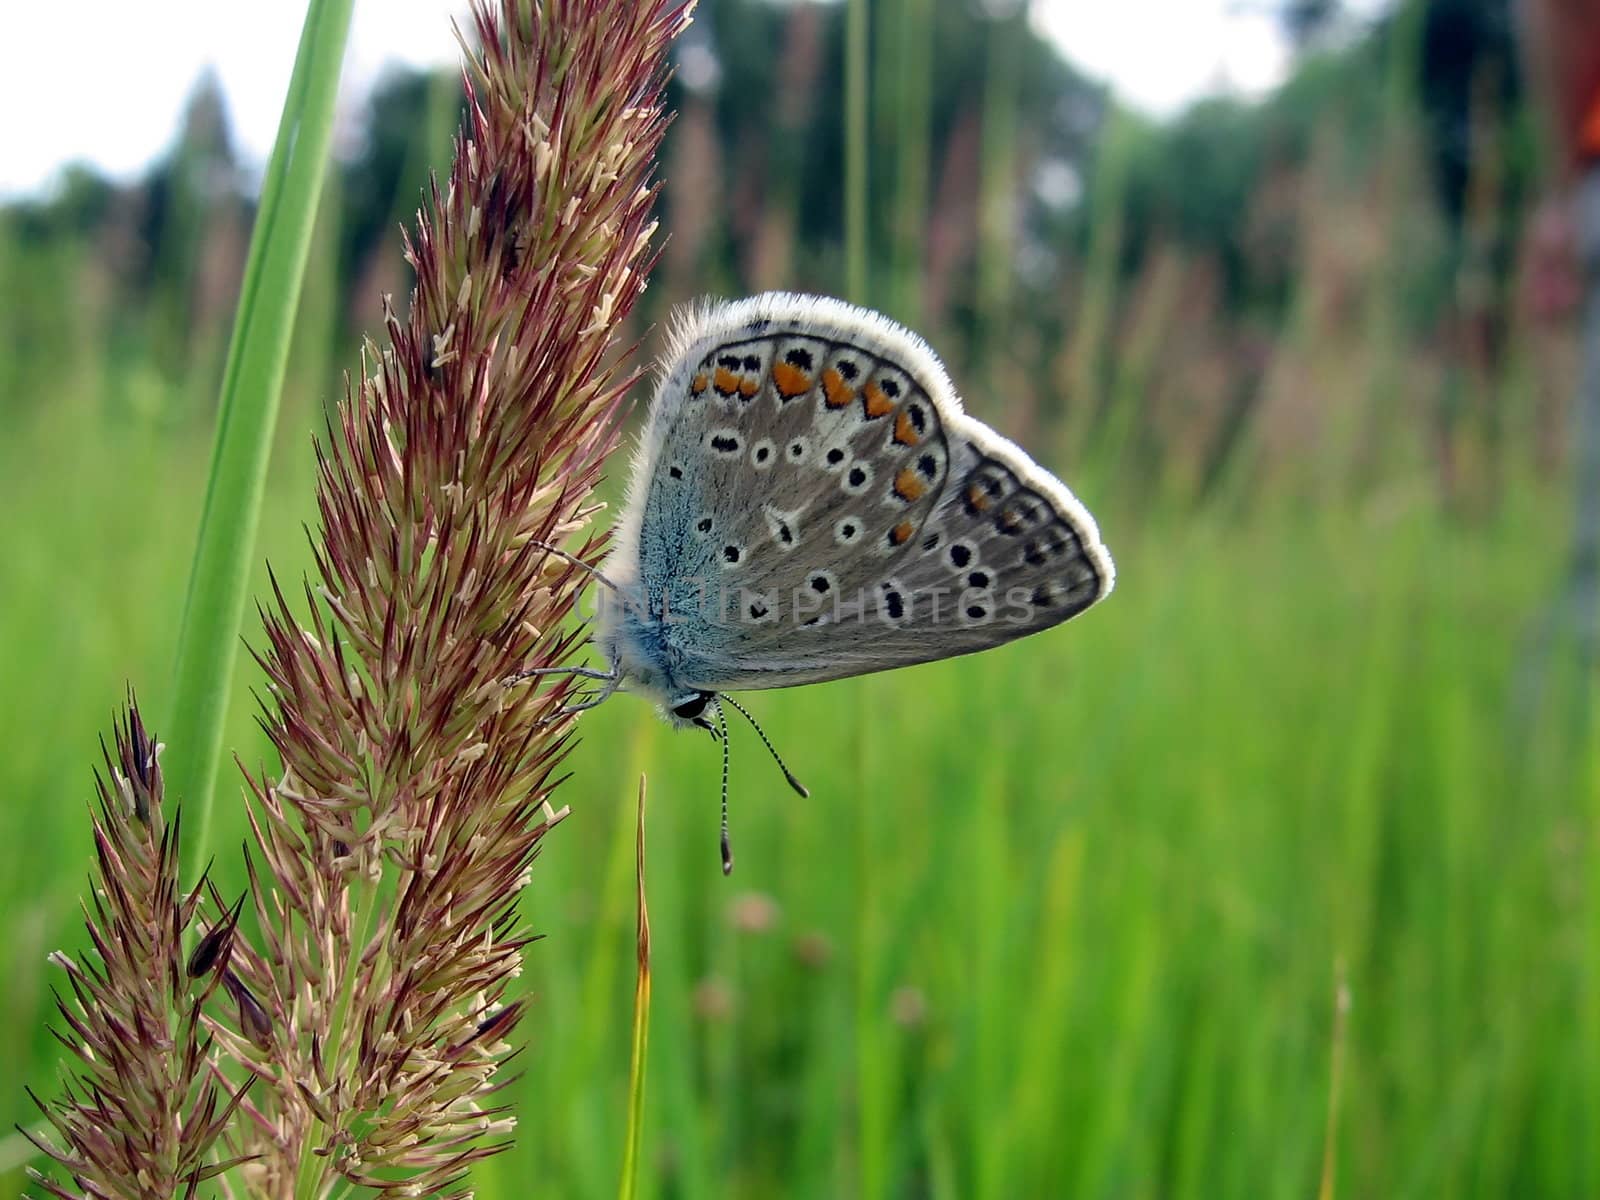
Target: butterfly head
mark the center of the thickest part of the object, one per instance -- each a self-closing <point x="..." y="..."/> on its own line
<point x="689" y="708"/>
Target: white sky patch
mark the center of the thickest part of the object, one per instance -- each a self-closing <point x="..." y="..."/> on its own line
<point x="1160" y="54"/>
<point x="105" y="81"/>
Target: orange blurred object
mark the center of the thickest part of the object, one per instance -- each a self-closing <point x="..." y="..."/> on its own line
<point x="1588" y="146"/>
<point x="1562" y="49"/>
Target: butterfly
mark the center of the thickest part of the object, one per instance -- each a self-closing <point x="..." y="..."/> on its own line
<point x="809" y="502"/>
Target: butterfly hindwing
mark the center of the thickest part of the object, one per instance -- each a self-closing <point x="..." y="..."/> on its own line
<point x="811" y="489"/>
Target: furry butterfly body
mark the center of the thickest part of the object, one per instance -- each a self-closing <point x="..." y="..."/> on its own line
<point x="809" y="501"/>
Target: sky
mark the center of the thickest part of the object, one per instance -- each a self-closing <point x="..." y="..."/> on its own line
<point x="118" y="76"/>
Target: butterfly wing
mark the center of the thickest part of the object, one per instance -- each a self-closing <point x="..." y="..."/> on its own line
<point x="811" y="502"/>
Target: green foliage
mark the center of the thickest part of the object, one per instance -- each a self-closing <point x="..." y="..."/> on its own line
<point x="1060" y="919"/>
<point x="1063" y="919"/>
<point x="758" y="48"/>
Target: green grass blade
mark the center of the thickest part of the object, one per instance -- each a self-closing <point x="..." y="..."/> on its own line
<point x="641" y="1028"/>
<point x="1330" y="1139"/>
<point x="252" y="382"/>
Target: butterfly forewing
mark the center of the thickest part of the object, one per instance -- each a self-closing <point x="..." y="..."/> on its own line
<point x="814" y="504"/>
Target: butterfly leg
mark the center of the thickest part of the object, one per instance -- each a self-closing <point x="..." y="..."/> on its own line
<point x="613" y="680"/>
<point x="575" y="672"/>
<point x="610" y="680"/>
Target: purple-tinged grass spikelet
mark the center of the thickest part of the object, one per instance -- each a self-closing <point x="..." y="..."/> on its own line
<point x="142" y="1108"/>
<point x="414" y="786"/>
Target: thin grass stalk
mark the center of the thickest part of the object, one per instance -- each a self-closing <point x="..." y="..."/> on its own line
<point x="997" y="179"/>
<point x="641" y="1021"/>
<point x="870" y="1053"/>
<point x="912" y="135"/>
<point x="1085" y="369"/>
<point x="394" y="841"/>
<point x="858" y="282"/>
<point x="771" y="257"/>
<point x="1327" y="1186"/>
<point x="856" y="128"/>
<point x="318" y="336"/>
<point x="252" y="384"/>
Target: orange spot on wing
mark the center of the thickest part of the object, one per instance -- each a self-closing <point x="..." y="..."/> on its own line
<point x="876" y="403"/>
<point x="908" y="485"/>
<point x="1010" y="521"/>
<point x="790" y="380"/>
<point x="700" y="384"/>
<point x="901" y="533"/>
<point x="749" y="387"/>
<point x="725" y="381"/>
<point x="904" y="431"/>
<point x="838" y="392"/>
<point x="977" y="497"/>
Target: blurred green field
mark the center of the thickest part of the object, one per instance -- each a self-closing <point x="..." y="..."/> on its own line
<point x="1273" y="876"/>
<point x="1064" y="919"/>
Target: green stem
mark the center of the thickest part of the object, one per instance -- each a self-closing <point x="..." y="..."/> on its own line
<point x="641" y="1027"/>
<point x="855" y="138"/>
<point x="997" y="178"/>
<point x="252" y="383"/>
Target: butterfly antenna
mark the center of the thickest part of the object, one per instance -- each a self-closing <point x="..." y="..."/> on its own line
<point x="771" y="749"/>
<point x="727" y="845"/>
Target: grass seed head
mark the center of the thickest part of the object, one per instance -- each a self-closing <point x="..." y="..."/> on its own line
<point x="477" y="431"/>
<point x="141" y="1109"/>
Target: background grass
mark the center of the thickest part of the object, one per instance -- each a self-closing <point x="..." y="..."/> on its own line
<point x="1061" y="919"/>
<point x="1066" y="919"/>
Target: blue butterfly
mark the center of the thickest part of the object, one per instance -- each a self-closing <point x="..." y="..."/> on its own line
<point x="809" y="502"/>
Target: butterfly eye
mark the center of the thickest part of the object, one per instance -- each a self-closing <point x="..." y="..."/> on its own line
<point x="693" y="707"/>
